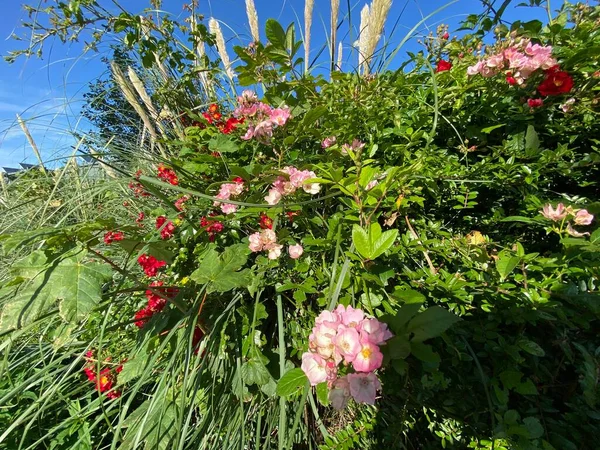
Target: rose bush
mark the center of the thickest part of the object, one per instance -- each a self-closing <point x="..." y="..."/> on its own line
<point x="420" y="240"/>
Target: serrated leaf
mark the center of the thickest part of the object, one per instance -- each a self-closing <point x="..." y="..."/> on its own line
<point x="78" y="286"/>
<point x="431" y="323"/>
<point x="291" y="382"/>
<point x="223" y="144"/>
<point x="275" y="33"/>
<point x="221" y="272"/>
<point x="255" y="372"/>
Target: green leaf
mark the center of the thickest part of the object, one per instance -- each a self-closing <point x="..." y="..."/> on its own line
<point x="535" y="428"/>
<point x="221" y="272"/>
<point x="313" y="115"/>
<point x="360" y="238"/>
<point x="156" y="427"/>
<point x="532" y="142"/>
<point x="424" y="352"/>
<point x="531" y="347"/>
<point x="488" y="130"/>
<point x="275" y="33"/>
<point x="383" y="243"/>
<point x="78" y="285"/>
<point x="506" y="263"/>
<point x="323" y="393"/>
<point x="255" y="372"/>
<point x="398" y="322"/>
<point x="431" y="323"/>
<point x="399" y="347"/>
<point x="223" y="144"/>
<point x="291" y="382"/>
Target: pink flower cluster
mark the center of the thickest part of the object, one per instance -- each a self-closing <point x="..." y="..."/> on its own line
<point x="262" y="118"/>
<point x="295" y="179"/>
<point x="521" y="60"/>
<point x="579" y="217"/>
<point x="346" y="335"/>
<point x="227" y="191"/>
<point x="265" y="240"/>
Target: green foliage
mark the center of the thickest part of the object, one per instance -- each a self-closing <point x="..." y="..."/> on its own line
<point x="434" y="226"/>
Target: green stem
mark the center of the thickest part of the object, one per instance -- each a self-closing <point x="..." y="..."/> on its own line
<point x="282" y="404"/>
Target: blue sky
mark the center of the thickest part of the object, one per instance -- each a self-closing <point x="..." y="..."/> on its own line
<point x="47" y="93"/>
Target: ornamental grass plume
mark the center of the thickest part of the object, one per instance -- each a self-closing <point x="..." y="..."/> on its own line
<point x="377" y="16"/>
<point x="363" y="38"/>
<point x="215" y="29"/>
<point x="308" y="15"/>
<point x="252" y="20"/>
<point x="335" y="9"/>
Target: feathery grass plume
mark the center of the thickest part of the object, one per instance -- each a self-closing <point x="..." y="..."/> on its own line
<point x="339" y="57"/>
<point x="128" y="93"/>
<point x="201" y="51"/>
<point x="141" y="90"/>
<point x="252" y="20"/>
<point x="23" y="126"/>
<point x="335" y="9"/>
<point x="215" y="29"/>
<point x="379" y="12"/>
<point x="308" y="16"/>
<point x="363" y="37"/>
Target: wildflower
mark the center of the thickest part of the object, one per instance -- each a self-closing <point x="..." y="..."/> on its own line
<point x="230" y="125"/>
<point x="340" y="393"/>
<point x="554" y="214"/>
<point x="573" y="232"/>
<point x="212" y="227"/>
<point x="355" y="146"/>
<point x="295" y="251"/>
<point x="328" y="142"/>
<point x="265" y="222"/>
<point x="568" y="105"/>
<point x="291" y="214"/>
<point x="265" y="240"/>
<point x="168" y="175"/>
<point x="314" y="367"/>
<point x="150" y="264"/>
<point x="280" y="116"/>
<point x="443" y="66"/>
<point x="510" y="79"/>
<point x="347" y="343"/>
<point x="364" y="387"/>
<point x="140" y="219"/>
<point x="227" y="191"/>
<point x="167" y="228"/>
<point x="112" y="236"/>
<point x="535" y="102"/>
<point x="375" y="331"/>
<point x="446" y="36"/>
<point x="582" y="217"/>
<point x="349" y="316"/>
<point x="556" y="82"/>
<point x="180" y="202"/>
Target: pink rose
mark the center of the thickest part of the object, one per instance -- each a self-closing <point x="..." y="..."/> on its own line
<point x="274" y="251"/>
<point x="364" y="387"/>
<point x="375" y="331"/>
<point x="347" y="343"/>
<point x="349" y="316"/>
<point x="475" y="69"/>
<point x="273" y="197"/>
<point x="254" y="242"/>
<point x="280" y="116"/>
<point x="295" y="251"/>
<point x="573" y="232"/>
<point x="314" y="367"/>
<point x="369" y="358"/>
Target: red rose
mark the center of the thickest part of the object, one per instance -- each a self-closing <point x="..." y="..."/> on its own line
<point x="556" y="82"/>
<point x="442" y="66"/>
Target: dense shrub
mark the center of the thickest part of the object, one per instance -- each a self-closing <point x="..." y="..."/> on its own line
<point x="453" y="202"/>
